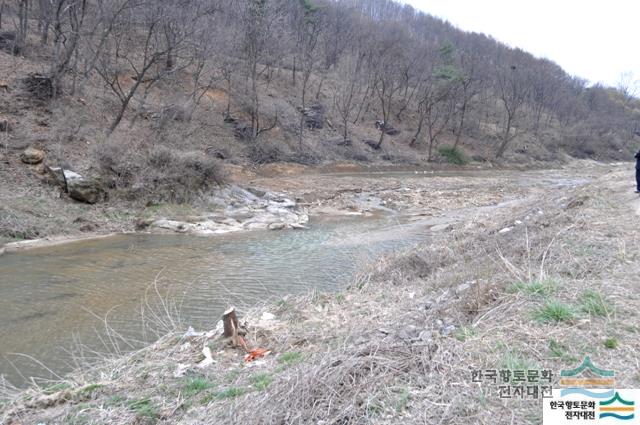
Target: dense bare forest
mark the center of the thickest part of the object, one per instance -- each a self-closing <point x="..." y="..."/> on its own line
<point x="156" y="85"/>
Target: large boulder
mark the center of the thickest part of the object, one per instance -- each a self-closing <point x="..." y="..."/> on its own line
<point x="86" y="190"/>
<point x="314" y="116"/>
<point x="61" y="177"/>
<point x="387" y="128"/>
<point x="32" y="156"/>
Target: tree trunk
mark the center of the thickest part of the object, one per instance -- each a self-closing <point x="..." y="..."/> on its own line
<point x="506" y="138"/>
<point x="230" y="323"/>
<point x="293" y="72"/>
<point x="23" y="12"/>
<point x="232" y="328"/>
<point x="463" y="110"/>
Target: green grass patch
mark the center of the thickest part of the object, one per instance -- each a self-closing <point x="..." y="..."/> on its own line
<point x="144" y="408"/>
<point x="537" y="287"/>
<point x="116" y="400"/>
<point x="514" y="361"/>
<point x="231" y="392"/>
<point x="261" y="381"/>
<point x="290" y="358"/>
<point x="60" y="386"/>
<point x="195" y="386"/>
<point x="559" y="351"/>
<point x="87" y="390"/>
<point x="594" y="304"/>
<point x="611" y="343"/>
<point x="464" y="333"/>
<point x="232" y="375"/>
<point x="554" y="311"/>
<point x="403" y="400"/>
<point x="452" y="155"/>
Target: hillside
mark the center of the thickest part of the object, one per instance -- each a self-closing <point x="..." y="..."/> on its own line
<point x="159" y="101"/>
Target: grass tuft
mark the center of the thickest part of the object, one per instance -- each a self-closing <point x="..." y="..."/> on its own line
<point x="463" y="333"/>
<point x="538" y="287"/>
<point x="559" y="351"/>
<point x="195" y="386"/>
<point x="514" y="361"/>
<point x="403" y="400"/>
<point x="261" y="381"/>
<point x="611" y="343"/>
<point x="290" y="358"/>
<point x="554" y="311"/>
<point x="143" y="408"/>
<point x="594" y="304"/>
<point x="231" y="392"/>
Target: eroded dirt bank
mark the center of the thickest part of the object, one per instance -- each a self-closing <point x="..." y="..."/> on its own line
<point x="278" y="196"/>
<point x="399" y="344"/>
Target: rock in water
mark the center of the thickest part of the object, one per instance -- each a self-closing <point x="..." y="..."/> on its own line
<point x="86" y="190"/>
<point x="32" y="156"/>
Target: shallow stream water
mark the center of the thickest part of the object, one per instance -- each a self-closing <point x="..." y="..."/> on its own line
<point x="53" y="300"/>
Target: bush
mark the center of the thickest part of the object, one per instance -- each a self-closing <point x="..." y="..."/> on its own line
<point x="161" y="175"/>
<point x="179" y="177"/>
<point x="452" y="155"/>
<point x="117" y="163"/>
<point x="263" y="153"/>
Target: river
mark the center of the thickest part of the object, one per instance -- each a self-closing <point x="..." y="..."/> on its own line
<point x="56" y="301"/>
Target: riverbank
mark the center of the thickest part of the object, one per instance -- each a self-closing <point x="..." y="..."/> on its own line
<point x="545" y="281"/>
<point x="277" y="195"/>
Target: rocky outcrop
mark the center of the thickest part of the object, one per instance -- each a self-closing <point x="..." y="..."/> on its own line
<point x="89" y="191"/>
<point x="314" y="116"/>
<point x="79" y="188"/>
<point x="238" y="209"/>
<point x="387" y="128"/>
<point x="32" y="156"/>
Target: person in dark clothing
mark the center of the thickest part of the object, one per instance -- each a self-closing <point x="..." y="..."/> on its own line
<point x="638" y="172"/>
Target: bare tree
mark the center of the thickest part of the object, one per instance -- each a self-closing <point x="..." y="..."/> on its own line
<point x="629" y="86"/>
<point x="258" y="20"/>
<point x="468" y="86"/>
<point x="391" y="71"/>
<point x="148" y="23"/>
<point x="67" y="23"/>
<point x="512" y="91"/>
<point x="344" y="100"/>
<point x="309" y="29"/>
<point x="23" y="25"/>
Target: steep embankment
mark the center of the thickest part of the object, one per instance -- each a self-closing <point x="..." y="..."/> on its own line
<point x="537" y="284"/>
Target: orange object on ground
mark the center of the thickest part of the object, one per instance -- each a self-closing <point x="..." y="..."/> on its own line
<point x="255" y="354"/>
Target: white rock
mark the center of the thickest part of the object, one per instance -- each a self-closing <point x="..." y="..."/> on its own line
<point x="208" y="358"/>
<point x="181" y="370"/>
<point x="71" y="175"/>
<point x="505" y="230"/>
<point x="266" y="316"/>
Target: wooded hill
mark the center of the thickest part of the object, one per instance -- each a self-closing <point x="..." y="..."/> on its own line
<point x="303" y="81"/>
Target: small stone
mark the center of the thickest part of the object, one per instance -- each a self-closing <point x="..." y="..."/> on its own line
<point x="266" y="316"/>
<point x="462" y="287"/>
<point x="447" y="330"/>
<point x="32" y="156"/>
<point x="425" y="336"/>
<point x="277" y="226"/>
<point x="505" y="230"/>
